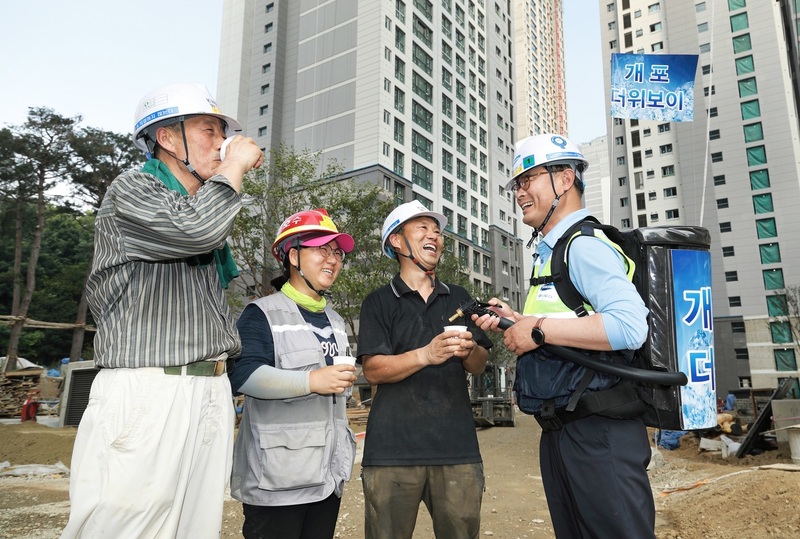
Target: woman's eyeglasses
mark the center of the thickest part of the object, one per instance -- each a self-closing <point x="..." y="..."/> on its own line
<point x="325" y="251"/>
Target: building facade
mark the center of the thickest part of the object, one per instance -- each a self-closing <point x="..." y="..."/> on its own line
<point x="733" y="170"/>
<point x="415" y="95"/>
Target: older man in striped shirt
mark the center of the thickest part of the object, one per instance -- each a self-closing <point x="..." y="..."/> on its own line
<point x="153" y="451"/>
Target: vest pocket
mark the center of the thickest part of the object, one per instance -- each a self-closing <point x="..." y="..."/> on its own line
<point x="292" y="456"/>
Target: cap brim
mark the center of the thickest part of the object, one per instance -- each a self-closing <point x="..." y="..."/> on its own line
<point x="345" y="241"/>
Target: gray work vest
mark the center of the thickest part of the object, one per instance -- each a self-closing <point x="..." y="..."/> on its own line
<point x="298" y="450"/>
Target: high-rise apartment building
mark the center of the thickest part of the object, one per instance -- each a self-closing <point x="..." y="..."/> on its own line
<point x="541" y="93"/>
<point x="733" y="170"/>
<point x="414" y="95"/>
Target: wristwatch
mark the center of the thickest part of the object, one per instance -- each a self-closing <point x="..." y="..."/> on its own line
<point x="536" y="333"/>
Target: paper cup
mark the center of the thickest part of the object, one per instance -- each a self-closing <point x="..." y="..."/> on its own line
<point x="224" y="147"/>
<point x="344" y="360"/>
<point x="455" y="328"/>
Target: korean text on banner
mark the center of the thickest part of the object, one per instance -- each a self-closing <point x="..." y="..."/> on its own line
<point x="656" y="87"/>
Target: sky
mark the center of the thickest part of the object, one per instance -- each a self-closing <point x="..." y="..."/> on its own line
<point x="97" y="58"/>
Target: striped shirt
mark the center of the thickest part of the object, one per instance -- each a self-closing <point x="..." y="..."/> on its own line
<point x="152" y="309"/>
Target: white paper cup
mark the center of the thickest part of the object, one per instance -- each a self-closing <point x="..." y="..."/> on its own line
<point x="455" y="328"/>
<point x="344" y="360"/>
<point x="224" y="147"/>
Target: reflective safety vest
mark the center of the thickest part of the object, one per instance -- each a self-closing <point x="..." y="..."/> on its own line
<point x="543" y="376"/>
<point x="297" y="450"/>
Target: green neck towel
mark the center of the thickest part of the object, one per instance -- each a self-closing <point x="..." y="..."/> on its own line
<point x="226" y="267"/>
<point x="306" y="302"/>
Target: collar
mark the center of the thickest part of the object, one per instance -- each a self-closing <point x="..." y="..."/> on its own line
<point x="553" y="236"/>
<point x="399" y="287"/>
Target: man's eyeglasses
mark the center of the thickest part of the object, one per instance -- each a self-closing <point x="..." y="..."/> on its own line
<point x="325" y="251"/>
<point x="522" y="181"/>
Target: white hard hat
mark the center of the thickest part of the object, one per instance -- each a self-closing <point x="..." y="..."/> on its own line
<point x="175" y="101"/>
<point x="401" y="214"/>
<point x="549" y="149"/>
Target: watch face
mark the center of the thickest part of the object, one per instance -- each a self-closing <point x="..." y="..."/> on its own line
<point x="537" y="335"/>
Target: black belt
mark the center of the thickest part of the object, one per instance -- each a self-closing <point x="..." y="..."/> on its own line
<point x="551" y="419"/>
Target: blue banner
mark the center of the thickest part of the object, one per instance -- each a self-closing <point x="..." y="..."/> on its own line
<point x="657" y="87"/>
<point x="694" y="334"/>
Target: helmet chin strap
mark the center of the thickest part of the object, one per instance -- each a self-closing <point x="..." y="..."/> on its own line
<point x="538" y="230"/>
<point x="186" y="162"/>
<point x="322" y="292"/>
<point x="429" y="272"/>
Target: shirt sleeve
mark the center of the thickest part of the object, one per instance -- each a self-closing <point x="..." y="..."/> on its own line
<point x="598" y="272"/>
<point x="373" y="333"/>
<point x="159" y="224"/>
<point x="258" y="347"/>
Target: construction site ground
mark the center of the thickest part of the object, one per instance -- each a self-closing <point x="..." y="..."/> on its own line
<point x="698" y="494"/>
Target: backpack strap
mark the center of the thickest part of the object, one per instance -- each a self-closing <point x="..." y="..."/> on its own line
<point x="560" y="273"/>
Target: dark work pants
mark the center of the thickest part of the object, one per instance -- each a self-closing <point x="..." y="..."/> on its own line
<point x="305" y="521"/>
<point x="452" y="494"/>
<point x="594" y="472"/>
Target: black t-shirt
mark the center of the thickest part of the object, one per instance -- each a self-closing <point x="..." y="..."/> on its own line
<point x="425" y="419"/>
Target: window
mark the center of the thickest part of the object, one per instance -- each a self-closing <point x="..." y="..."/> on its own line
<point x="262" y="131"/>
<point x="386" y="149"/>
<point x="712" y="112"/>
<point x="421" y="175"/>
<point x="399" y="131"/>
<point x="447" y="133"/>
<point x="422" y="116"/>
<point x="387" y="85"/>
<point x="756" y="156"/>
<point x="759" y="179"/>
<point x="656" y="27"/>
<point x="785" y="360"/>
<point x="422" y="59"/>
<point x="748" y="87"/>
<point x="705" y="47"/>
<point x="753" y="132"/>
<point x="731" y="276"/>
<point x="766" y="228"/>
<point x="399" y="159"/>
<point x="624" y="202"/>
<point x="665" y="149"/>
<point x="264" y="109"/>
<point x="267" y="48"/>
<point x="706" y="69"/>
<point x="654" y="8"/>
<point x="719" y="180"/>
<point x="739" y="22"/>
<point x="725" y="227"/>
<point x="745" y="65"/>
<point x="773" y="279"/>
<point x="387" y="53"/>
<point x="728" y="251"/>
<point x="663" y="128"/>
<point x="742" y="43"/>
<point x="421" y="146"/>
<point x="737" y="327"/>
<point x="268" y="28"/>
<point x="672" y="214"/>
<point x="264" y="89"/>
<point x="777" y="305"/>
<point x="625" y="223"/>
<point x="716" y="157"/>
<point x="266" y="68"/>
<point x="447" y="187"/>
<point x="734" y="301"/>
<point x="770" y="253"/>
<point x="750" y="109"/>
<point x="657" y="46"/>
<point x="700" y="6"/>
<point x="270" y="7"/>
<point x="670" y="192"/>
<point x="702" y="27"/>
<point x="781" y="332"/>
<point x="399" y="40"/>
<point x="713" y="134"/>
<point x="722" y="203"/>
<point x="399" y="99"/>
<point x="422" y="88"/>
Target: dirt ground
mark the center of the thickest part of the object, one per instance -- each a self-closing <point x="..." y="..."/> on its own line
<point x="698" y="494"/>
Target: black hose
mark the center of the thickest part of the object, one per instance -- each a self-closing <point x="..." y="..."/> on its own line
<point x="623" y="371"/>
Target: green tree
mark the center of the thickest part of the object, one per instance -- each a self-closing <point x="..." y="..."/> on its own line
<point x="41" y="153"/>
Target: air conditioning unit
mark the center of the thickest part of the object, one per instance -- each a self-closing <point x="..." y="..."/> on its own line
<point x="78" y="378"/>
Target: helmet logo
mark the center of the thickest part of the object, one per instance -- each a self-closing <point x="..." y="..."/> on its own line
<point x="559" y="141"/>
<point x="214" y="106"/>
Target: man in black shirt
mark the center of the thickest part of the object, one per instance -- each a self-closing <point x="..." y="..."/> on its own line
<point x="420" y="444"/>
